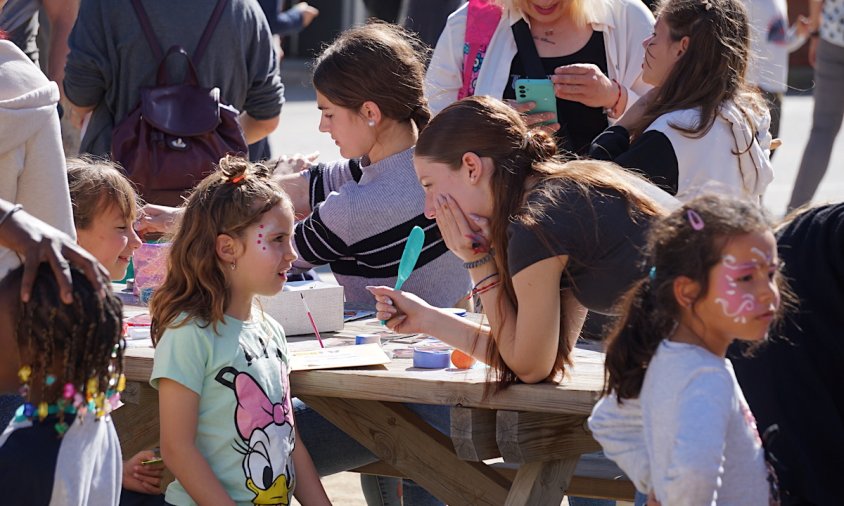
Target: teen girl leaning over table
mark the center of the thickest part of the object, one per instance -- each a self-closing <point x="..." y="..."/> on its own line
<point x="701" y="128"/>
<point x="588" y="48"/>
<point x="543" y="240"/>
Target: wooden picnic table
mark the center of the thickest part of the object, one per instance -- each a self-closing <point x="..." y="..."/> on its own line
<point x="540" y="430"/>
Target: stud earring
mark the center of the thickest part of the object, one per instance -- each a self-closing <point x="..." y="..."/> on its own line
<point x="371" y="123"/>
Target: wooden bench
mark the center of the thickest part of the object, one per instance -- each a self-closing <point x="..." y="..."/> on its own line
<point x="594" y="477"/>
<point x="489" y="436"/>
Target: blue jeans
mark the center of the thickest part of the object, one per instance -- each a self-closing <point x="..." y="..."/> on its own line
<point x="640" y="499"/>
<point x="334" y="451"/>
<point x="584" y="501"/>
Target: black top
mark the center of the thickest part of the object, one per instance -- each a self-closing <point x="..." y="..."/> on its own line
<point x="796" y="380"/>
<point x="652" y="155"/>
<point x="603" y="242"/>
<point x="579" y="124"/>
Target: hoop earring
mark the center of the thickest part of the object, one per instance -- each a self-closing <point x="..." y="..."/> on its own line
<point x="371" y="123"/>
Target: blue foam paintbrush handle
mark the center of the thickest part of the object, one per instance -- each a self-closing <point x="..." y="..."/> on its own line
<point x="412" y="250"/>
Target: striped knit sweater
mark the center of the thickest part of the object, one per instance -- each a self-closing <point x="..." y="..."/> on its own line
<point x="362" y="215"/>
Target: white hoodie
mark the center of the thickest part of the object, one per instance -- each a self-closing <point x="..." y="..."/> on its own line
<point x="32" y="164"/>
<point x="728" y="160"/>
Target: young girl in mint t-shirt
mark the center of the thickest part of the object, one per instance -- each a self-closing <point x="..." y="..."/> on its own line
<point x="221" y="365"/>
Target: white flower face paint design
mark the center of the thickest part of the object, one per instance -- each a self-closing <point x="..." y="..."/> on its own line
<point x="734" y="302"/>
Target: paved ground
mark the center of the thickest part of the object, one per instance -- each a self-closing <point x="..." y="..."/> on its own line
<point x="298" y="132"/>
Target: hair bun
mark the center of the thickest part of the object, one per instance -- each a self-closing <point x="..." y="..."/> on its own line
<point x="539" y="145"/>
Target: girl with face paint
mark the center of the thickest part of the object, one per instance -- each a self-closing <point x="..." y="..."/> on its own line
<point x="674" y="417"/>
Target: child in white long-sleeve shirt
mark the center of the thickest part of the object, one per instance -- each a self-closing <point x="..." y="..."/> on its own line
<point x="675" y="419"/>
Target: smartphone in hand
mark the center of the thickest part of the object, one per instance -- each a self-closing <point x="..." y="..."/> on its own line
<point x="540" y="91"/>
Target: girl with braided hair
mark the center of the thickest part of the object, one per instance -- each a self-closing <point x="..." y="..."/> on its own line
<point x="66" y="362"/>
<point x="674" y="417"/>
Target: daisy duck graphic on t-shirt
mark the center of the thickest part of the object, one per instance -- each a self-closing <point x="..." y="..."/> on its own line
<point x="267" y="437"/>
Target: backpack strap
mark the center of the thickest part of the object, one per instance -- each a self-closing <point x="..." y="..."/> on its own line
<point x="527" y="51"/>
<point x="149" y="33"/>
<point x="482" y="18"/>
<point x="209" y="31"/>
<point x="147" y="29"/>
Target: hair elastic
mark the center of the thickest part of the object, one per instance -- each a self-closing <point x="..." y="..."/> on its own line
<point x="694" y="220"/>
<point x="237" y="179"/>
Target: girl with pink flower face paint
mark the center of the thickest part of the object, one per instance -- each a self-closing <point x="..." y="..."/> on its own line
<point x="675" y="419"/>
<point x="735" y="302"/>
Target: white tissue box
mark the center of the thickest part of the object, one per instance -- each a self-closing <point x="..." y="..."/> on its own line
<point x="324" y="300"/>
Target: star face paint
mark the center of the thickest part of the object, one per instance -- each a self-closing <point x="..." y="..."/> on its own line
<point x="269" y="252"/>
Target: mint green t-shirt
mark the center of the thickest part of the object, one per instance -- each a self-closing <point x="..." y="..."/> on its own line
<point x="245" y="426"/>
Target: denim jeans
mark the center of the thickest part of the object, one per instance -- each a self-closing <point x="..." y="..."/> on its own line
<point x="585" y="501"/>
<point x="640" y="499"/>
<point x="334" y="451"/>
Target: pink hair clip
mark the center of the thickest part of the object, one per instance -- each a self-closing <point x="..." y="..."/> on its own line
<point x="694" y="220"/>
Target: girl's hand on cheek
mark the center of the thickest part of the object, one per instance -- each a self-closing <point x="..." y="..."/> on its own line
<point x="464" y="237"/>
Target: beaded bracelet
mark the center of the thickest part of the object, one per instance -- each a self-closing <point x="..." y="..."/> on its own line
<point x="9" y="214"/>
<point x="479" y="262"/>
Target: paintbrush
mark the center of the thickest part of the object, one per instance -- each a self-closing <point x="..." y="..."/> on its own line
<point x="311" y="318"/>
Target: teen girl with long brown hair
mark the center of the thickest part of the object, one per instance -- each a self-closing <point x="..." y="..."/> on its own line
<point x="543" y="240"/>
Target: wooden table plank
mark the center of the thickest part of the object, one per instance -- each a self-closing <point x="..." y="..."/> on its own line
<point x="404" y="441"/>
<point x="136" y="421"/>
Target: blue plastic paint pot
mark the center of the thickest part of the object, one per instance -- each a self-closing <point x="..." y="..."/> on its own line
<point x="367" y="339"/>
<point x="430" y="359"/>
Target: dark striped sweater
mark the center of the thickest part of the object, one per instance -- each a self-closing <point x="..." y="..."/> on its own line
<point x="362" y="215"/>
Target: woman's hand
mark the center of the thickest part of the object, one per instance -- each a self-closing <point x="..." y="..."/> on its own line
<point x="158" y="219"/>
<point x="138" y="477"/>
<point x="585" y="83"/>
<point x="404" y="312"/>
<point x="290" y="164"/>
<point x="534" y="119"/>
<point x="469" y="240"/>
